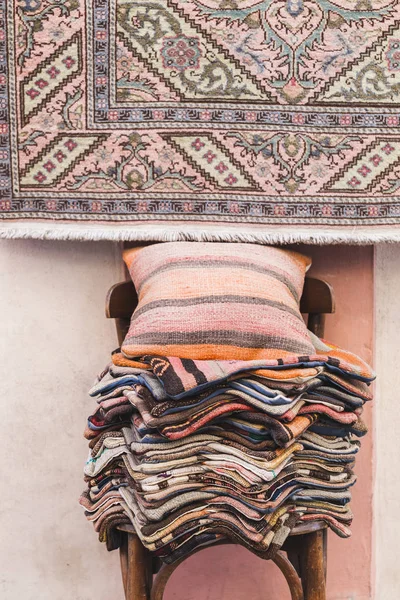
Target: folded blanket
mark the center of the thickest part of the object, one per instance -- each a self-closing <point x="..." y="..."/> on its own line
<point x="182" y="377"/>
<point x="195" y="451"/>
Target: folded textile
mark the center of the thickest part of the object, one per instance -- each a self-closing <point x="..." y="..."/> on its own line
<point x="180" y="376"/>
<point x="190" y="452"/>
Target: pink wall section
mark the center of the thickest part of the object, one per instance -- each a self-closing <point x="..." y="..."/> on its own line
<point x="234" y="573"/>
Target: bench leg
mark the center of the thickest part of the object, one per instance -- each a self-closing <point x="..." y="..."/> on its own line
<point x="135" y="568"/>
<point x="312" y="560"/>
<point x="293" y="580"/>
<point x="123" y="556"/>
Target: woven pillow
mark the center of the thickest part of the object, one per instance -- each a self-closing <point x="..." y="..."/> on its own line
<point x="216" y="301"/>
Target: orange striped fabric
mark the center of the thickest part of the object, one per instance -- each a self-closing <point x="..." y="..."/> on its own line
<point x="217" y="301"/>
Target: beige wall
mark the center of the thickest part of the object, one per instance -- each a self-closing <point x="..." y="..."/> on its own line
<point x="54" y="338"/>
<point x="387" y="423"/>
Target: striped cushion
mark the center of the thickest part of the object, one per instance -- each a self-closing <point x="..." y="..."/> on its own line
<point x="217" y="301"/>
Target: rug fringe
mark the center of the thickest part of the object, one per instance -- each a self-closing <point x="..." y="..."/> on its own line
<point x="145" y="232"/>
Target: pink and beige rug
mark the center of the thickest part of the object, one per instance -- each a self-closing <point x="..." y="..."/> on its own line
<point x="257" y="120"/>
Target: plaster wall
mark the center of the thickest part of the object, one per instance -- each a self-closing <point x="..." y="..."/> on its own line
<point x="387" y="423"/>
<point x="53" y="339"/>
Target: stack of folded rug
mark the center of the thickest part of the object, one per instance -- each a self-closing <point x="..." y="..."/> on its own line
<point x="221" y="416"/>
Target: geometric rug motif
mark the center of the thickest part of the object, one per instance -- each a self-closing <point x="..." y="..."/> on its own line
<point x="194" y="113"/>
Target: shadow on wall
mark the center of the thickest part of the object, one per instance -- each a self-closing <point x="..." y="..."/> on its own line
<point x="233" y="573"/>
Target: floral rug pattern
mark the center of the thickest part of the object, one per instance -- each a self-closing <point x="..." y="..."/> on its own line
<point x="237" y="111"/>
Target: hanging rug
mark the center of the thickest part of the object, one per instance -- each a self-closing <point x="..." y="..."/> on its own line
<point x="256" y="120"/>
